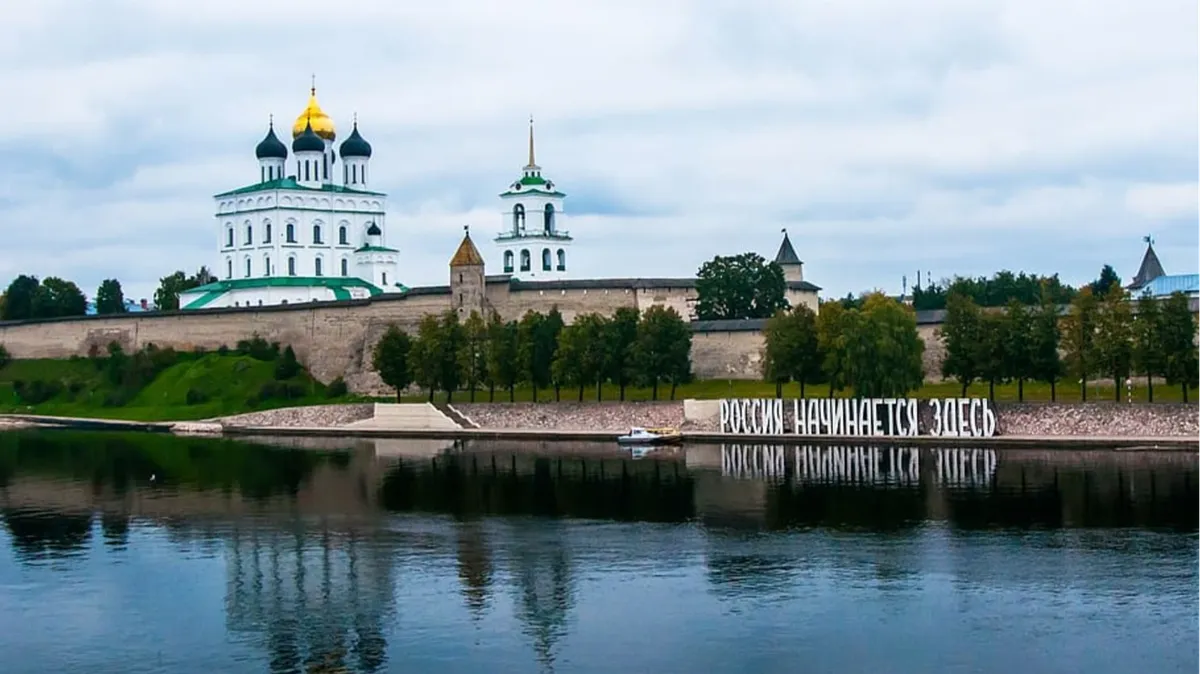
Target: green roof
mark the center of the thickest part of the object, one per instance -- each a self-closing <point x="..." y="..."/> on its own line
<point x="337" y="284"/>
<point x="375" y="249"/>
<point x="533" y="180"/>
<point x="291" y="184"/>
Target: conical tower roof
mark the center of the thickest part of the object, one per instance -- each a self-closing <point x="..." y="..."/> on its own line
<point x="467" y="254"/>
<point x="1151" y="268"/>
<point x="786" y="254"/>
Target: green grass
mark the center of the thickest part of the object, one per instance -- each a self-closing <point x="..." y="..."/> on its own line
<point x="229" y="381"/>
<point x="722" y="388"/>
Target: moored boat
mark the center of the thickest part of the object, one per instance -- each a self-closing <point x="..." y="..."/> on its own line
<point x="651" y="436"/>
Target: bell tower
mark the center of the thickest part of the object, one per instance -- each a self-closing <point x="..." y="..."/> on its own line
<point x="466" y="278"/>
<point x="533" y="245"/>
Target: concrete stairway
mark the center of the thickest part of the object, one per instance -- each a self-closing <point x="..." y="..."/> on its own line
<point x="407" y="417"/>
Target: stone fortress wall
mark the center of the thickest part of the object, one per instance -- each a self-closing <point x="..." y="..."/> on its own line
<point x="335" y="338"/>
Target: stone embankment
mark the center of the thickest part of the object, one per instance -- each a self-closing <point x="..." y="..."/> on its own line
<point x="1101" y="419"/>
<point x="312" y="416"/>
<point x="563" y="416"/>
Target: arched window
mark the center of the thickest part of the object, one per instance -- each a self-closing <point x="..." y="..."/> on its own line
<point x="345" y="267"/>
<point x="508" y="262"/>
<point x="292" y="266"/>
<point x="291" y="233"/>
<point x="384" y="284"/>
<point x="266" y="265"/>
<point x="545" y="259"/>
<point x="247" y="267"/>
<point x="343" y="236"/>
<point x="519" y="218"/>
<point x="316" y="234"/>
<point x="549" y="218"/>
<point x="267" y="232"/>
<point x="249" y="234"/>
<point x="229" y="237"/>
<point x="524" y="260"/>
<point x="229" y="267"/>
<point x="317" y="265"/>
<point x="562" y="260"/>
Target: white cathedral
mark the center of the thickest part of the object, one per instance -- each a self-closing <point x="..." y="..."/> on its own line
<point x="298" y="235"/>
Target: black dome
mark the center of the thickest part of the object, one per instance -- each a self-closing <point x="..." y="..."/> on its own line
<point x="374" y="230"/>
<point x="271" y="146"/>
<point x="308" y="141"/>
<point x="355" y="145"/>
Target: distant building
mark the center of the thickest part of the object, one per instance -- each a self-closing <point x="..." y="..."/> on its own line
<point x="131" y="307"/>
<point x="1153" y="280"/>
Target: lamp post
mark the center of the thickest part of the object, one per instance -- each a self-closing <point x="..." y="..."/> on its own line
<point x="1129" y="389"/>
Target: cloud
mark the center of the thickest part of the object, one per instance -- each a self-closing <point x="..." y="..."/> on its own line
<point x="950" y="137"/>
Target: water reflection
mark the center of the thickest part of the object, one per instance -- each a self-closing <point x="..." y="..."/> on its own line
<point x="360" y="555"/>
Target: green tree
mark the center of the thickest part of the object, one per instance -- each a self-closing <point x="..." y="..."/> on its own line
<point x="1018" y="363"/>
<point x="567" y="366"/>
<point x="739" y="286"/>
<point x="503" y="362"/>
<point x="109" y="297"/>
<point x="427" y="354"/>
<point x="833" y="323"/>
<point x="622" y="334"/>
<point x="5" y="357"/>
<point x="1079" y="338"/>
<point x="166" y="298"/>
<point x="663" y="348"/>
<point x="453" y="336"/>
<point x="1148" y="357"/>
<point x="593" y="359"/>
<point x="1114" y="337"/>
<point x="472" y="354"/>
<point x="534" y="358"/>
<point x="58" y="298"/>
<point x="885" y="353"/>
<point x="1045" y="362"/>
<point x="993" y="356"/>
<point x="961" y="334"/>
<point x="791" y="351"/>
<point x="1178" y="343"/>
<point x="18" y="298"/>
<point x="390" y="358"/>
<point x="287" y="366"/>
<point x="1107" y="281"/>
<point x="548" y="335"/>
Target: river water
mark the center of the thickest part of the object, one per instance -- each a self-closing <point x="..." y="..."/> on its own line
<point x="146" y="553"/>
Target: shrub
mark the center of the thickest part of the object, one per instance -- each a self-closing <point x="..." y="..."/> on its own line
<point x="5" y="358"/>
<point x="337" y="388"/>
<point x="257" y="348"/>
<point x="223" y="350"/>
<point x="281" y="390"/>
<point x="196" y="397"/>
<point x="287" y="366"/>
<point x="37" y="391"/>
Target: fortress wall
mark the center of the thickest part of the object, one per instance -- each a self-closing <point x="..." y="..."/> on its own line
<point x="512" y="305"/>
<point x="727" y="354"/>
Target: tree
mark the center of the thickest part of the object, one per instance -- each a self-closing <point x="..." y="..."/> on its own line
<point x="18" y="298"/>
<point x="58" y="298"/>
<point x="739" y="286"/>
<point x="548" y="336"/>
<point x="1018" y="355"/>
<point x="1148" y="357"/>
<point x="833" y="323"/>
<point x="961" y="336"/>
<point x="109" y="297"/>
<point x="427" y="354"/>
<point x="450" y="374"/>
<point x="472" y="354"/>
<point x="593" y="359"/>
<point x="503" y="364"/>
<point x="1079" y="338"/>
<point x="663" y="348"/>
<point x="566" y="367"/>
<point x="534" y="358"/>
<point x="792" y="352"/>
<point x="1107" y="281"/>
<point x="166" y="298"/>
<point x="622" y="334"/>
<point x="885" y="353"/>
<point x="5" y="357"/>
<point x="993" y="356"/>
<point x="1045" y="363"/>
<point x="287" y="366"/>
<point x="1114" y="337"/>
<point x="391" y="359"/>
<point x="1178" y="343"/>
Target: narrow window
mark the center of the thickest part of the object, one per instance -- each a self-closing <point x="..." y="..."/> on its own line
<point x="291" y="266"/>
<point x="508" y="261"/>
<point x="228" y="268"/>
<point x="317" y="266"/>
<point x="545" y="259"/>
<point x="249" y="235"/>
<point x="343" y="236"/>
<point x="229" y="238"/>
<point x="291" y="233"/>
<point x="316" y="234"/>
<point x="267" y="235"/>
<point x="345" y="267"/>
<point x="266" y="265"/>
<point x="385" y="278"/>
<point x="247" y="267"/>
<point x="519" y="218"/>
<point x="562" y="260"/>
<point x="549" y="218"/>
<point x="524" y="260"/>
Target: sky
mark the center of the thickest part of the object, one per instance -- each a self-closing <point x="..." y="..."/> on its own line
<point x="940" y="136"/>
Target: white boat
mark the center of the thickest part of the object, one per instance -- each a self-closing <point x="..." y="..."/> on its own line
<point x="650" y="436"/>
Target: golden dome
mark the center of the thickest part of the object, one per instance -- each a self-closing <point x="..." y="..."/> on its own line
<point x="313" y="114"/>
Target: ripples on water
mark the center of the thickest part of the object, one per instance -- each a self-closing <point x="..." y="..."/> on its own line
<point x="495" y="557"/>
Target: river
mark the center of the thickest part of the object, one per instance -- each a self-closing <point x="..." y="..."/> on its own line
<point x="150" y="553"/>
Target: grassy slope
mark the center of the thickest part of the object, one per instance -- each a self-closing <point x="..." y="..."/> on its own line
<point x="228" y="380"/>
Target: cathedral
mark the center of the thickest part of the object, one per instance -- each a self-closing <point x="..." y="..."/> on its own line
<point x="311" y="229"/>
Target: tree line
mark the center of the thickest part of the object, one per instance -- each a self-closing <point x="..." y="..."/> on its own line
<point x="52" y="297"/>
<point x="448" y="354"/>
<point x="873" y="348"/>
<point x="1106" y="335"/>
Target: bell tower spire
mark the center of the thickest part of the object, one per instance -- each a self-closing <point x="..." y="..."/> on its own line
<point x="532" y="163"/>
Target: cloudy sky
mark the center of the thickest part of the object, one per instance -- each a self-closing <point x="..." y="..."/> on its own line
<point x="886" y="136"/>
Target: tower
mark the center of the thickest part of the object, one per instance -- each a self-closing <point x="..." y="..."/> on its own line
<point x="356" y="154"/>
<point x="793" y="268"/>
<point x="466" y="277"/>
<point x="531" y="242"/>
<point x="310" y="156"/>
<point x="272" y="155"/>
<point x="314" y="118"/>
